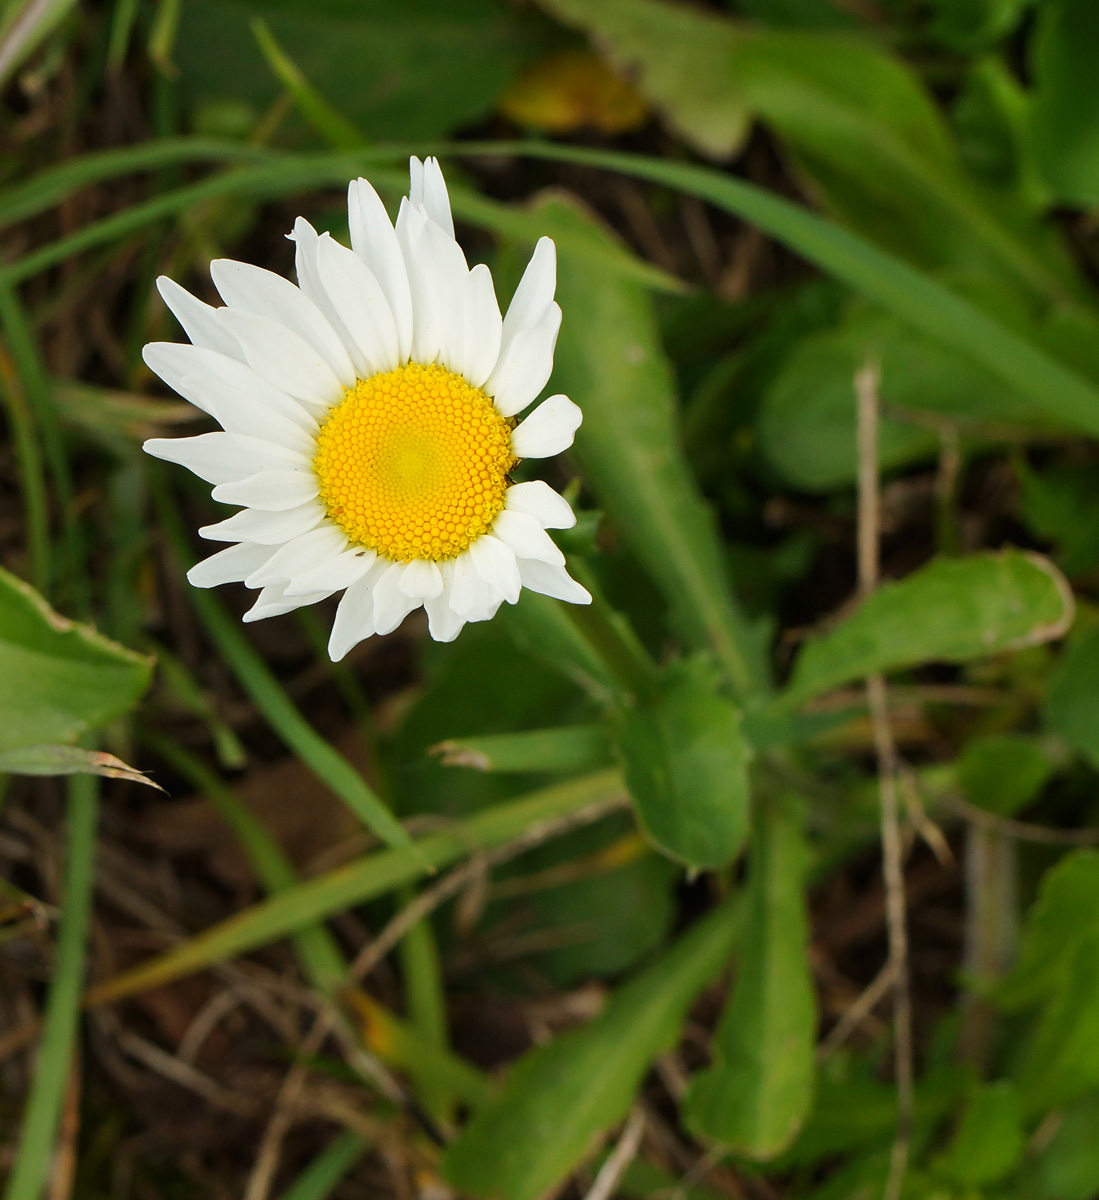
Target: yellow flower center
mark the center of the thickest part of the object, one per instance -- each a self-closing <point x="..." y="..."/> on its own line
<point x="414" y="463"/>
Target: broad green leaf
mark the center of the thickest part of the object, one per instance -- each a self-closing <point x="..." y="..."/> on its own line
<point x="1072" y="703"/>
<point x="1057" y="391"/>
<point x="1060" y="503"/>
<point x="686" y="766"/>
<point x="679" y="57"/>
<point x="859" y="119"/>
<point x="396" y="68"/>
<point x="69" y="760"/>
<point x="303" y="904"/>
<point x="1003" y="772"/>
<point x="1068" y="1168"/>
<point x="560" y="1098"/>
<point x="58" y="679"/>
<point x="952" y="610"/>
<point x="566" y="748"/>
<point x="989" y="1140"/>
<point x="1065" y="112"/>
<point x="965" y="24"/>
<point x="609" y="360"/>
<point x="1058" y="971"/>
<point x="1066" y="912"/>
<point x="807" y="419"/>
<point x="760" y="1088"/>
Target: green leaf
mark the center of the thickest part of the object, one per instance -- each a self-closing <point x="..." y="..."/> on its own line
<point x="679" y="57"/>
<point x="760" y="1088"/>
<point x="560" y="1098"/>
<point x="394" y="68"/>
<point x="610" y="361"/>
<point x="325" y="1172"/>
<point x="566" y="748"/>
<point x="301" y="905"/>
<point x="952" y="610"/>
<point x="989" y="1140"/>
<point x="58" y="679"/>
<point x="1065" y="110"/>
<point x="1058" y="503"/>
<point x="69" y="760"/>
<point x="1072" y="703"/>
<point x="861" y="122"/>
<point x="1058" y="971"/>
<point x="1068" y="1168"/>
<point x="686" y="766"/>
<point x="1003" y="772"/>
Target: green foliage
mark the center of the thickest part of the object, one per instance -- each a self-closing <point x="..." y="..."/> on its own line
<point x="560" y="1097"/>
<point x="59" y="679"/>
<point x="640" y="826"/>
<point x="686" y="765"/>
<point x="760" y="1088"/>
<point x="952" y="610"/>
<point x="1066" y="99"/>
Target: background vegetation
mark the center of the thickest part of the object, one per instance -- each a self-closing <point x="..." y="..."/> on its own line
<point x="828" y="270"/>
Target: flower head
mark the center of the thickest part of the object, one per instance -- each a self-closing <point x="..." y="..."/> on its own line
<point x="369" y="423"/>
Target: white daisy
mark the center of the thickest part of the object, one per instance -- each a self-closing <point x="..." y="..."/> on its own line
<point x="368" y="423"/>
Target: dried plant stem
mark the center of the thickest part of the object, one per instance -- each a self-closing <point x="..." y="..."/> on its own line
<point x="611" y="1172"/>
<point x="869" y="534"/>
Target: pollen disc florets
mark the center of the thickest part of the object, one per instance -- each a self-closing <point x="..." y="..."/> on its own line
<point x="413" y="463"/>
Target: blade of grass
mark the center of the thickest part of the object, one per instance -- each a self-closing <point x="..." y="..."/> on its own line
<point x="37" y="390"/>
<point x="335" y="128"/>
<point x="356" y="882"/>
<point x="1059" y="393"/>
<point x="326" y="1171"/>
<point x="322" y="961"/>
<point x="55" y="1054"/>
<point x="32" y="475"/>
<point x="284" y="175"/>
<point x="265" y="691"/>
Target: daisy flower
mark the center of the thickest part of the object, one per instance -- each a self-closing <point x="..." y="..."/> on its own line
<point x="370" y="423"/>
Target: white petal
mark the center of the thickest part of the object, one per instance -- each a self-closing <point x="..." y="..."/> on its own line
<point x="334" y="574"/>
<point x="300" y="554"/>
<point x="274" y="491"/>
<point x="273" y="602"/>
<point x="552" y="581"/>
<point x="416" y="181"/>
<point x="253" y="290"/>
<point x="435" y="201"/>
<point x="284" y="358"/>
<point x="449" y="283"/>
<point x="375" y="241"/>
<point x="231" y="392"/>
<point x="443" y="623"/>
<point x="470" y="597"/>
<point x="364" y="311"/>
<point x="244" y="412"/>
<point x="422" y="580"/>
<point x="539" y="500"/>
<point x="223" y="457"/>
<point x="526" y="363"/>
<point x="229" y="566"/>
<point x="526" y="537"/>
<point x="199" y="320"/>
<point x="535" y="291"/>
<point x="267" y="528"/>
<point x="548" y="430"/>
<point x="496" y="565"/>
<point x="391" y="605"/>
<point x="426" y="324"/>
<point x="483" y="326"/>
<point x="355" y="614"/>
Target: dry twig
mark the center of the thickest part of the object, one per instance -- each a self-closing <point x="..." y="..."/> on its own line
<point x="869" y="526"/>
